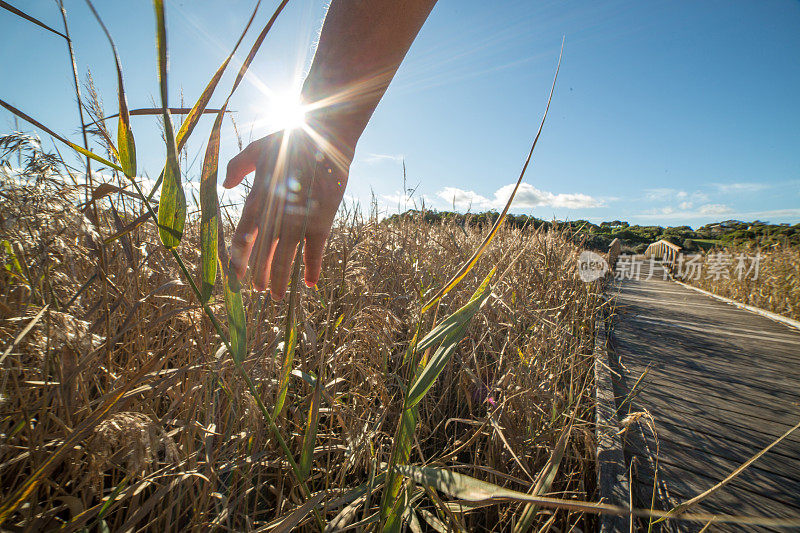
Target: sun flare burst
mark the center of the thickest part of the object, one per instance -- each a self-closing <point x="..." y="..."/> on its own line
<point x="286" y="111"/>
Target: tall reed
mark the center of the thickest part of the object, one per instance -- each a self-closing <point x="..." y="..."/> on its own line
<point x="768" y="278"/>
<point x="127" y="404"/>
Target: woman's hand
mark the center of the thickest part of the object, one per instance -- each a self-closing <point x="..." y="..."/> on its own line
<point x="296" y="192"/>
<point x="301" y="175"/>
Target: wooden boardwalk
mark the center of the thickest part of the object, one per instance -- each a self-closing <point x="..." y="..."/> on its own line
<point x="723" y="383"/>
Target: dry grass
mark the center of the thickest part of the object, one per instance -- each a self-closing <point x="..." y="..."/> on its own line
<point x="187" y="448"/>
<point x="776" y="288"/>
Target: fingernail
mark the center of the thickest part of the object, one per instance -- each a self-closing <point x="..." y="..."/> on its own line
<point x="276" y="297"/>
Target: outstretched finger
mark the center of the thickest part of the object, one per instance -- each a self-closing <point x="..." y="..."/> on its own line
<point x="243" y="164"/>
<point x="261" y="256"/>
<point x="312" y="257"/>
<point x="246" y="232"/>
<point x="281" y="266"/>
<point x="260" y="262"/>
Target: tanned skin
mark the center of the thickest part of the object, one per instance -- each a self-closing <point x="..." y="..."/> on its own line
<point x="300" y="176"/>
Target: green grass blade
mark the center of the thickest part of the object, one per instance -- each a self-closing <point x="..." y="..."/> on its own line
<point x="242" y="71"/>
<point x="125" y="143"/>
<point x="237" y="326"/>
<point x="462" y="486"/>
<point x="209" y="209"/>
<point x="310" y="437"/>
<point x="172" y="204"/>
<point x="290" y="332"/>
<point x="434" y="367"/>
<point x="467" y="266"/>
<point x="8" y="7"/>
<point x="451" y="323"/>
<point x="391" y="509"/>
<point x="197" y="110"/>
<point x="126" y="147"/>
<point x="237" y="319"/>
<point x="55" y="135"/>
<point x="13" y="266"/>
<point x="544" y="482"/>
<point x="289" y="345"/>
<point x="474" y="490"/>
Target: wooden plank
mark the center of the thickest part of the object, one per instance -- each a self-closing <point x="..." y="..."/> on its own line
<point x="766" y="374"/>
<point x="723" y="384"/>
<point x="781" y="459"/>
<point x="732" y="364"/>
<point x="705" y="332"/>
<point x="724" y="314"/>
<point x="699" y="418"/>
<point x="710" y="329"/>
<point x="761" y="312"/>
<point x="612" y="479"/>
<point x="723" y="410"/>
<point x="742" y="387"/>
<point x="706" y="470"/>
<point x="723" y="502"/>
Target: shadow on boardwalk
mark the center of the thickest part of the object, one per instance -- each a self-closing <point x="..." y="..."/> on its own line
<point x="723" y="383"/>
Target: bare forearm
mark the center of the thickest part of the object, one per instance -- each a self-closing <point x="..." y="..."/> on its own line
<point x="360" y="48"/>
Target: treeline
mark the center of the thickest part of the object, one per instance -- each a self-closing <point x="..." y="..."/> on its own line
<point x="635" y="237"/>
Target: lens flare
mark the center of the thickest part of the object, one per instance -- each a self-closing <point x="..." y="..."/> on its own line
<point x="286" y="112"/>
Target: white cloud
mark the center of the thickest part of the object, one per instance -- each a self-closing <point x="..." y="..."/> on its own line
<point x="715" y="209"/>
<point x="527" y="197"/>
<point x="404" y="200"/>
<point x="665" y="194"/>
<point x="687" y="213"/>
<point x="687" y="205"/>
<point x="776" y="214"/>
<point x="661" y="194"/>
<point x="372" y="159"/>
<point x="733" y="188"/>
<point x="461" y="199"/>
<point x="718" y="212"/>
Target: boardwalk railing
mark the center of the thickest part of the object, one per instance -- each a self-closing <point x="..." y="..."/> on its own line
<point x="664" y="250"/>
<point x="614" y="250"/>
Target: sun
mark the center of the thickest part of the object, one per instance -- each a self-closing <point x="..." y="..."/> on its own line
<point x="286" y="111"/>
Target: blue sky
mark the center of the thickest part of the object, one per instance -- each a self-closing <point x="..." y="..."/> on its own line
<point x="665" y="112"/>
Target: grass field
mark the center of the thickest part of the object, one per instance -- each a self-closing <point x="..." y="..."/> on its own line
<point x="439" y="377"/>
<point x="185" y="443"/>
<point x="774" y="285"/>
<point x="438" y="374"/>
